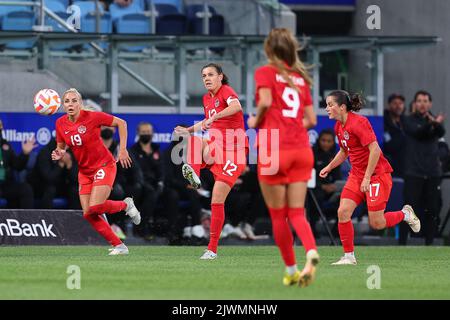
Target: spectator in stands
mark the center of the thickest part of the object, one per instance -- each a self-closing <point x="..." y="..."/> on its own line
<point x="394" y="141"/>
<point x="128" y="182"/>
<point x="19" y="195"/>
<point x="327" y="192"/>
<point x="147" y="156"/>
<point x="51" y="179"/>
<point x="422" y="170"/>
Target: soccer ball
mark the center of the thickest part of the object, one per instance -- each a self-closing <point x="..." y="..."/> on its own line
<point x="47" y="102"/>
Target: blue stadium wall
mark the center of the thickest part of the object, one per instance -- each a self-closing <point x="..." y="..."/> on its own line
<point x="19" y="126"/>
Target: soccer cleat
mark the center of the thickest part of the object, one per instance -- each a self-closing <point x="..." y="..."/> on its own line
<point x="132" y="211"/>
<point x="191" y="176"/>
<point x="413" y="221"/>
<point x="308" y="273"/>
<point x="248" y="230"/>
<point x="345" y="260"/>
<point x="208" y="255"/>
<point x="289" y="280"/>
<point x="121" y="249"/>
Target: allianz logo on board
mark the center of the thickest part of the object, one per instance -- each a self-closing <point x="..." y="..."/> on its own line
<point x="158" y="138"/>
<point x="13" y="228"/>
<point x="42" y="135"/>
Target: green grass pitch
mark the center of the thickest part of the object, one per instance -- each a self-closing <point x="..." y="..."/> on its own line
<point x="240" y="272"/>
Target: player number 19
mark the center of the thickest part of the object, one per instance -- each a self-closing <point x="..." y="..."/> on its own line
<point x="76" y="140"/>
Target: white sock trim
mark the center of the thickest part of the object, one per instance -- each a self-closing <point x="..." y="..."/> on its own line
<point x="291" y="270"/>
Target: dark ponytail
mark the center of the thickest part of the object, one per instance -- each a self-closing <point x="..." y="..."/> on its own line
<point x="353" y="101"/>
<point x="219" y="71"/>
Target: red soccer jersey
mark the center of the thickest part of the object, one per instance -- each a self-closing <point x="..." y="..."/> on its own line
<point x="83" y="138"/>
<point x="286" y="111"/>
<point x="355" y="137"/>
<point x="217" y="103"/>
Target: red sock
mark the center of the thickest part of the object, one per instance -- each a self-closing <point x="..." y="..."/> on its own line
<point x="217" y="219"/>
<point x="109" y="206"/>
<point x="302" y="227"/>
<point x="347" y="234"/>
<point x="194" y="156"/>
<point x="393" y="218"/>
<point x="103" y="228"/>
<point x="283" y="235"/>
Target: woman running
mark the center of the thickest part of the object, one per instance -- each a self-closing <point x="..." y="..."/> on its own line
<point x="79" y="130"/>
<point x="284" y="113"/>
<point x="370" y="176"/>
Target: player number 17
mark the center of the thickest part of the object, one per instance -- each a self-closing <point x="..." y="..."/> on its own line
<point x="375" y="187"/>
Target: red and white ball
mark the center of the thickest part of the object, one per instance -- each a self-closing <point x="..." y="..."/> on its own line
<point x="47" y="102"/>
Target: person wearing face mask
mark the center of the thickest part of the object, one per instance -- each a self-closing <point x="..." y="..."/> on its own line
<point x="423" y="170"/>
<point x="18" y="195"/>
<point x="154" y="195"/>
<point x="128" y="182"/>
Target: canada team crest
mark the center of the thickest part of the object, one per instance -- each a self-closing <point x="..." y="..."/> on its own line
<point x="346" y="135"/>
<point x="81" y="129"/>
<point x="216" y="103"/>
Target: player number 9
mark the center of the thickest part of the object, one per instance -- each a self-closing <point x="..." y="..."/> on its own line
<point x="292" y="99"/>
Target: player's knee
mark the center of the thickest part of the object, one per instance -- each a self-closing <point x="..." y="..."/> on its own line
<point x="377" y="224"/>
<point x="344" y="214"/>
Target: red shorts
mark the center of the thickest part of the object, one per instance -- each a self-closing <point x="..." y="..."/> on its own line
<point x="226" y="166"/>
<point x="377" y="196"/>
<point x="286" y="166"/>
<point x="102" y="177"/>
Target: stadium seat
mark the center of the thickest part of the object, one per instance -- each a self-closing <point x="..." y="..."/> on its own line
<point x="176" y="3"/>
<point x="54" y="24"/>
<point x="169" y="20"/>
<point x="216" y="21"/>
<point x="55" y="5"/>
<point x="4" y="10"/>
<point x="118" y="12"/>
<point x="88" y="23"/>
<point x="65" y="3"/>
<point x="59" y="203"/>
<point x="3" y="203"/>
<point x="135" y="23"/>
<point x="88" y="7"/>
<point x="19" y="21"/>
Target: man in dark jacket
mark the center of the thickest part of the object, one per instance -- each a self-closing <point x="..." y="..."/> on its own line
<point x="18" y="195"/>
<point x="394" y="142"/>
<point x="422" y="168"/>
<point x="51" y="179"/>
<point x="154" y="195"/>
